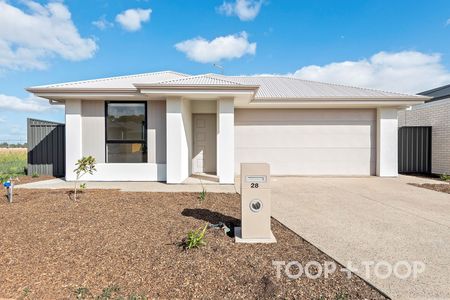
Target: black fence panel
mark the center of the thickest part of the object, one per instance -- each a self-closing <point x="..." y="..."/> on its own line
<point x="46" y="148"/>
<point x="414" y="149"/>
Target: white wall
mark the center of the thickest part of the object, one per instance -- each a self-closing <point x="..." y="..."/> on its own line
<point x="156" y="131"/>
<point x="387" y="142"/>
<point x="225" y="140"/>
<point x="93" y="124"/>
<point x="437" y="115"/>
<point x="179" y="139"/>
<point x="204" y="106"/>
<point x="73" y="136"/>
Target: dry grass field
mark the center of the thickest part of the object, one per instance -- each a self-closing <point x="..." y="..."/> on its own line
<point x="13" y="161"/>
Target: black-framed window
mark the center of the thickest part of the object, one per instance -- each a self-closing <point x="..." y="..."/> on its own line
<point x="126" y="132"/>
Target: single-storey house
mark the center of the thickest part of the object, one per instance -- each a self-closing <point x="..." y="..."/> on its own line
<point x="165" y="126"/>
<point x="435" y="112"/>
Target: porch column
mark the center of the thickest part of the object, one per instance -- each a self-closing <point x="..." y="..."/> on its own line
<point x="178" y="142"/>
<point x="387" y="142"/>
<point x="225" y="140"/>
<point x="73" y="136"/>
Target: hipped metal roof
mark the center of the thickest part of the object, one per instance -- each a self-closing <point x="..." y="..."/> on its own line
<point x="266" y="87"/>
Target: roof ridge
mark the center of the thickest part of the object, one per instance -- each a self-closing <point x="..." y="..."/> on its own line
<point x="217" y="76"/>
<point x="206" y="75"/>
<point x="113" y="78"/>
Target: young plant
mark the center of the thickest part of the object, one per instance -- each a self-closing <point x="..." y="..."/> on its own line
<point x="202" y="195"/>
<point x="195" y="238"/>
<point x="82" y="293"/>
<point x="85" y="165"/>
<point x="445" y="177"/>
<point x="109" y="292"/>
<point x="34" y="175"/>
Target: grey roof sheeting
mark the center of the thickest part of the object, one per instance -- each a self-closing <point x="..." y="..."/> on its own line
<point x="283" y="87"/>
<point x="206" y="79"/>
<point x="118" y="82"/>
<point x="439" y="93"/>
<point x="267" y="87"/>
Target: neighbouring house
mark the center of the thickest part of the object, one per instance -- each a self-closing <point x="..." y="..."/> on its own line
<point x="165" y="126"/>
<point x="435" y="112"/>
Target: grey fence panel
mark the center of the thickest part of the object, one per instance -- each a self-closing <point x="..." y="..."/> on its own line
<point x="414" y="149"/>
<point x="46" y="148"/>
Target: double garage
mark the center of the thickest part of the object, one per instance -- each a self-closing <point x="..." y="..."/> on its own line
<point x="307" y="141"/>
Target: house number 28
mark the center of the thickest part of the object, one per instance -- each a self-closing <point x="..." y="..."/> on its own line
<point x="254" y="185"/>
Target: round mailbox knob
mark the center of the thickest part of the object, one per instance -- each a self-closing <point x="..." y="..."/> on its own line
<point x="256" y="205"/>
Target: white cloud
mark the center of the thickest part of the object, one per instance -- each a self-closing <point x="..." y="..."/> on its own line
<point x="245" y="10"/>
<point x="223" y="47"/>
<point x="102" y="23"/>
<point x="29" y="104"/>
<point x="447" y="23"/>
<point x="407" y="71"/>
<point x="30" y="35"/>
<point x="132" y="19"/>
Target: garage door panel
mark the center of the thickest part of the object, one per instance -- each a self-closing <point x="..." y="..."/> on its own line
<point x="301" y="116"/>
<point x="318" y="162"/>
<point x="307" y="142"/>
<point x="306" y="136"/>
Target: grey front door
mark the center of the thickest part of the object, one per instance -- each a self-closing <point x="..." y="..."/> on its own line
<point x="204" y="132"/>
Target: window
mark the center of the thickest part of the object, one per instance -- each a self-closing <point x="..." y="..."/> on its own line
<point x="126" y="134"/>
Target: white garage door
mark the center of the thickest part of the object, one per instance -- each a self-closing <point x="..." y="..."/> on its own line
<point x="307" y="141"/>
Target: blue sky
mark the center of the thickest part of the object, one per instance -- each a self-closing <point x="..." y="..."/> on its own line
<point x="395" y="45"/>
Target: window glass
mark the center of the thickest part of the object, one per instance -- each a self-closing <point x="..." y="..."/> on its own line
<point x="126" y="153"/>
<point x="125" y="121"/>
<point x="126" y="137"/>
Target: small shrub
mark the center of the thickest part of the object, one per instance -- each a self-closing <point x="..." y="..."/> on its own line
<point x="25" y="293"/>
<point x="108" y="292"/>
<point x="85" y="165"/>
<point x="195" y="238"/>
<point x="202" y="195"/>
<point x="35" y="175"/>
<point x="445" y="177"/>
<point x="82" y="293"/>
<point x="341" y="296"/>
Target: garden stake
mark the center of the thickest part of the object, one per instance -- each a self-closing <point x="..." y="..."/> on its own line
<point x="9" y="190"/>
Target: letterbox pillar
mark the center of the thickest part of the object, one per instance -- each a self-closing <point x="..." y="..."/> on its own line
<point x="255" y="204"/>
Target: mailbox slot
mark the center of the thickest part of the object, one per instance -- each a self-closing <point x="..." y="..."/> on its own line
<point x="256" y="178"/>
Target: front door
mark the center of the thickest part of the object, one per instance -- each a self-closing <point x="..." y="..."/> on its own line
<point x="204" y="132"/>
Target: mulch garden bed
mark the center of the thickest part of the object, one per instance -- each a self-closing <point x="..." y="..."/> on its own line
<point x="444" y="188"/>
<point x="30" y="179"/>
<point x="127" y="244"/>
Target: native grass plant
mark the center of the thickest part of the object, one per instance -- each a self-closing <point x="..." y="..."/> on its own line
<point x="195" y="238"/>
<point x="85" y="165"/>
<point x="35" y="175"/>
<point x="445" y="177"/>
<point x="202" y="195"/>
<point x="109" y="293"/>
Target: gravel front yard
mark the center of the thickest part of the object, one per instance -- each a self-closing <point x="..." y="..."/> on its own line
<point x="440" y="187"/>
<point x="51" y="246"/>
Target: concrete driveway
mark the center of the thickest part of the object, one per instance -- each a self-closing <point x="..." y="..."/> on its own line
<point x="364" y="220"/>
